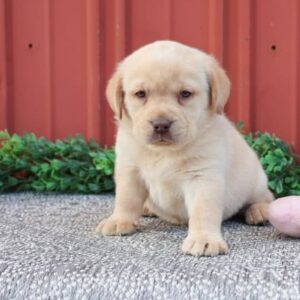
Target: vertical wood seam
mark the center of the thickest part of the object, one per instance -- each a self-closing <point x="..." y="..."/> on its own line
<point x="215" y="28"/>
<point x="92" y="68"/>
<point x="49" y="62"/>
<point x="120" y="29"/>
<point x="244" y="100"/>
<point x="3" y="69"/>
<point x="296" y="133"/>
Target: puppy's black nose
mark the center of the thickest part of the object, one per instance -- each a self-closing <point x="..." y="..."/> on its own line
<point x="161" y="126"/>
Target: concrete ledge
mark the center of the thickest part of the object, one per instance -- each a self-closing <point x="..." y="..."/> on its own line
<point x="49" y="251"/>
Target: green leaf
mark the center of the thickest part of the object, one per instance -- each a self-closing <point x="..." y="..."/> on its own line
<point x="65" y="183"/>
<point x="50" y="186"/>
<point x="82" y="188"/>
<point x="45" y="167"/>
<point x="93" y="187"/>
<point x="56" y="164"/>
<point x="35" y="169"/>
<point x="12" y="181"/>
<point x="279" y="187"/>
<point x="38" y="186"/>
<point x="108" y="184"/>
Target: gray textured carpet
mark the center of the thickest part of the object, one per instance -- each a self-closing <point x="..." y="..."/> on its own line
<point x="48" y="250"/>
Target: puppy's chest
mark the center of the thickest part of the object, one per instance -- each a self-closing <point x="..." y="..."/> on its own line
<point x="164" y="184"/>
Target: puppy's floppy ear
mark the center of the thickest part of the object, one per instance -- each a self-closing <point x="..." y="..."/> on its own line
<point x="219" y="86"/>
<point x="115" y="94"/>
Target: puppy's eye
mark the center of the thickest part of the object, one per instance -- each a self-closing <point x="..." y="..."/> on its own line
<point x="185" y="94"/>
<point x="141" y="94"/>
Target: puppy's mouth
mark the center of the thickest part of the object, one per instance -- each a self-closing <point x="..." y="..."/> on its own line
<point x="161" y="139"/>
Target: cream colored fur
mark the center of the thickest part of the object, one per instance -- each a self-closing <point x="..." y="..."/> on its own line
<point x="205" y="173"/>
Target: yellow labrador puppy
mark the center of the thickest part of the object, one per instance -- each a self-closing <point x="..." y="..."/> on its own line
<point x="178" y="156"/>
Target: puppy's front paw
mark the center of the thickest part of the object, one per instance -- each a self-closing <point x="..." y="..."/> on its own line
<point x="204" y="244"/>
<point x="115" y="226"/>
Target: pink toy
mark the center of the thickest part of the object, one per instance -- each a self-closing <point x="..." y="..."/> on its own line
<point x="284" y="215"/>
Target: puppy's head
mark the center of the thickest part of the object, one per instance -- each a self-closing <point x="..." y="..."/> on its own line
<point x="167" y="91"/>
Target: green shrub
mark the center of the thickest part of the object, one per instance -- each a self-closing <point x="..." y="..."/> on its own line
<point x="278" y="162"/>
<point x="69" y="165"/>
<point x="75" y="166"/>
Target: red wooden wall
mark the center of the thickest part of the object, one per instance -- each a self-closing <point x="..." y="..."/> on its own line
<point x="56" y="57"/>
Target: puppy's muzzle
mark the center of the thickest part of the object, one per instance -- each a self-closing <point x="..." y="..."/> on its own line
<point x="161" y="130"/>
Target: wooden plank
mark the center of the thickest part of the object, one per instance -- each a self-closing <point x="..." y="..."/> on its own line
<point x="3" y="69"/>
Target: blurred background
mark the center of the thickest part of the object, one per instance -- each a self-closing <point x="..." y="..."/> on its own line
<point x="57" y="55"/>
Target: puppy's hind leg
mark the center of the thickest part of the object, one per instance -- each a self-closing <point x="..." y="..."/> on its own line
<point x="257" y="212"/>
<point x="148" y="209"/>
<point x="151" y="210"/>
